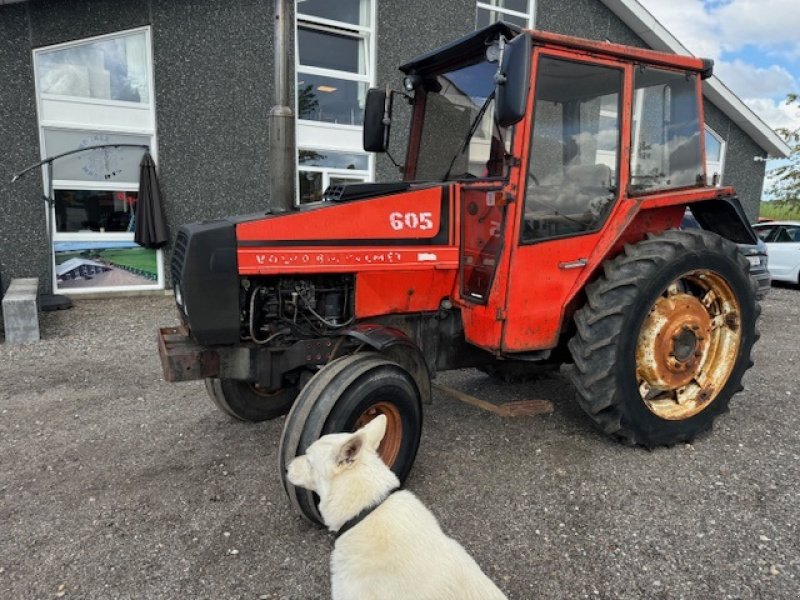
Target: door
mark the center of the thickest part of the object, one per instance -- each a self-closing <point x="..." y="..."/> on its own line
<point x="483" y="220"/>
<point x="571" y="186"/>
<point x="783" y="250"/>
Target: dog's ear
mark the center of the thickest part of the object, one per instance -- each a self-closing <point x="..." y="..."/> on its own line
<point x="349" y="451"/>
<point x="374" y="431"/>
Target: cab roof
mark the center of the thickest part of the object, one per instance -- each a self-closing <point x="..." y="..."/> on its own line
<point x="475" y="43"/>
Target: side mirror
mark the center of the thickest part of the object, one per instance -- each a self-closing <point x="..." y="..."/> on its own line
<point x="377" y="120"/>
<point x="513" y="81"/>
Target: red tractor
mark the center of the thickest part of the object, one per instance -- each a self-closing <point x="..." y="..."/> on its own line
<point x="536" y="222"/>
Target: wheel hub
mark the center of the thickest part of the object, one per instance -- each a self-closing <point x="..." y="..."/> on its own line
<point x="688" y="345"/>
<point x="673" y="341"/>
<point x="393" y="438"/>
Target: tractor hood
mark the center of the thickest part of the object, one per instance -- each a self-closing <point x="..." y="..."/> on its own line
<point x="413" y="216"/>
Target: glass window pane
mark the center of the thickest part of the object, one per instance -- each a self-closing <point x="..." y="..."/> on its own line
<point x="574" y="149"/>
<point x="330" y="100"/>
<point x="764" y="232"/>
<point x="333" y="159"/>
<point x="331" y="51"/>
<point x="355" y="12"/>
<point x="109" y="69"/>
<point x="102" y="164"/>
<point x="453" y="103"/>
<point x="517" y="5"/>
<point x="666" y="135"/>
<point x="94" y="210"/>
<point x="486" y="17"/>
<point x="713" y="147"/>
<point x="310" y="186"/>
<point x="104" y="264"/>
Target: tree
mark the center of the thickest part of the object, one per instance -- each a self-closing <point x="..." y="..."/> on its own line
<point x="785" y="186"/>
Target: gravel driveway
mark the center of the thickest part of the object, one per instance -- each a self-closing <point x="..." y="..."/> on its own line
<point x="114" y="484"/>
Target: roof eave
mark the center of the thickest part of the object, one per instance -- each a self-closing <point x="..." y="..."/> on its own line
<point x="647" y="27"/>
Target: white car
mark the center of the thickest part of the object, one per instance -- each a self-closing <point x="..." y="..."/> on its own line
<point x="783" y="246"/>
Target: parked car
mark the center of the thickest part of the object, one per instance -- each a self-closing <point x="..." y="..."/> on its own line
<point x="756" y="254"/>
<point x="783" y="244"/>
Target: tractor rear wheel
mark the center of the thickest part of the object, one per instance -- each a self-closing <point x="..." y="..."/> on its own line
<point x="344" y="396"/>
<point x="665" y="337"/>
<point x="247" y="401"/>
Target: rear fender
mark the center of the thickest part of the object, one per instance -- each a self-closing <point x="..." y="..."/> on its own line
<point x="725" y="217"/>
<point x="397" y="346"/>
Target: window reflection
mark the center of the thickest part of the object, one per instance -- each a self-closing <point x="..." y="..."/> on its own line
<point x="666" y="132"/>
<point x="94" y="210"/>
<point x="574" y="150"/>
<point x="331" y="51"/>
<point x="109" y="69"/>
<point x="330" y="100"/>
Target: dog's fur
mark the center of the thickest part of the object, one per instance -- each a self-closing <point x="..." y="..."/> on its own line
<point x="398" y="552"/>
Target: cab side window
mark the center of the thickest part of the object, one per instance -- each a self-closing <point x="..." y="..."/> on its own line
<point x="572" y="171"/>
<point x="666" y="146"/>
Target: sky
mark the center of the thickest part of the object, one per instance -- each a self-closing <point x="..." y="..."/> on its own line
<point x="755" y="45"/>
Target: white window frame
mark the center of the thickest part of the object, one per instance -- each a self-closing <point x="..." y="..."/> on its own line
<point x="530" y="15"/>
<point x="146" y="127"/>
<point x="720" y="164"/>
<point x="318" y="135"/>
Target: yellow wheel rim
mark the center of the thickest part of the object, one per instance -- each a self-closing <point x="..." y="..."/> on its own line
<point x="688" y="345"/>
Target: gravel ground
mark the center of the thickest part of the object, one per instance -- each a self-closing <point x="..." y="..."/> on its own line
<point x="115" y="484"/>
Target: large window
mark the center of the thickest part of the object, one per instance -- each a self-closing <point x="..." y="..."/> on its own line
<point x="515" y="12"/>
<point x="92" y="92"/>
<point x="572" y="172"/>
<point x="715" y="156"/>
<point x="665" y="149"/>
<point x="335" y="68"/>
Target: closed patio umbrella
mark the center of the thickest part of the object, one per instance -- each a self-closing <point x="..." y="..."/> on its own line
<point x="151" y="226"/>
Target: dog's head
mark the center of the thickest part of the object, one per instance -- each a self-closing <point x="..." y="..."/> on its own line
<point x="334" y="454"/>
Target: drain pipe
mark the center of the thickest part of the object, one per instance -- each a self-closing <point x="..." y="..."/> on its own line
<point x="282" y="143"/>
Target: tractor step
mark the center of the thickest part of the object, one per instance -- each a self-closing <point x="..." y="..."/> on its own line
<point x="520" y="408"/>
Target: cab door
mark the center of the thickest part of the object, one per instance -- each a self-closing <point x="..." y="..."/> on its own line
<point x="483" y="226"/>
<point x="570" y="180"/>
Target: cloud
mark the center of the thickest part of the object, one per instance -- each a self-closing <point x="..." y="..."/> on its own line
<point x="713" y="28"/>
<point x="775" y="114"/>
<point x="689" y="21"/>
<point x="763" y="23"/>
<point x="747" y="80"/>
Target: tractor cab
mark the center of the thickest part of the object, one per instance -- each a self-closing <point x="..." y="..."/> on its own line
<point x="545" y="140"/>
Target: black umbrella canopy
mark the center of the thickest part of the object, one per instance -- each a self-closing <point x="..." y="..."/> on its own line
<point x="151" y="226"/>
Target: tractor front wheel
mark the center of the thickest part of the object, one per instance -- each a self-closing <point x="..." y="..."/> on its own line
<point x="247" y="401"/>
<point x="344" y="396"/>
<point x="665" y="338"/>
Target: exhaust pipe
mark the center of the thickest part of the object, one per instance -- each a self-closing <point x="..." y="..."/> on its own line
<point x="282" y="142"/>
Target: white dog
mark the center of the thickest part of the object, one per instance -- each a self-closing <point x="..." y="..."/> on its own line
<point x="389" y="546"/>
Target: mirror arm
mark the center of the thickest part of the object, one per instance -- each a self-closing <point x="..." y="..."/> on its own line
<point x="408" y="97"/>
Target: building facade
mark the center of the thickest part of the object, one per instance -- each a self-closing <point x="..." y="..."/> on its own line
<point x="193" y="82"/>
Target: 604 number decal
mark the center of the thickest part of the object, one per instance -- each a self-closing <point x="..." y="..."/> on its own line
<point x="411" y="220"/>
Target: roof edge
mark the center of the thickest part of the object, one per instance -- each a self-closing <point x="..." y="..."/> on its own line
<point x="647" y="27"/>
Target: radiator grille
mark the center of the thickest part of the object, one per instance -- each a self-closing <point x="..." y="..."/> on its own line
<point x="178" y="256"/>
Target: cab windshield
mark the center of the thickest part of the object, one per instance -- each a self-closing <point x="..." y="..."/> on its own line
<point x="460" y="139"/>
